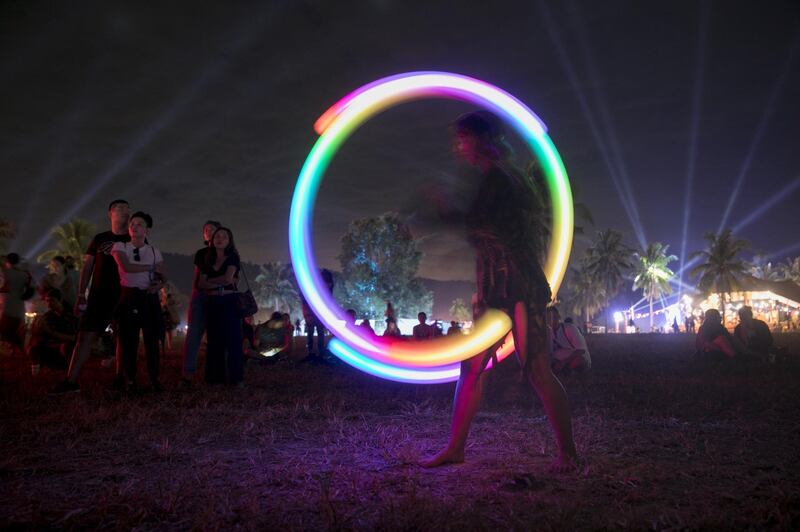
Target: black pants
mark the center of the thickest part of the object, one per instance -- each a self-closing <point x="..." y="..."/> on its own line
<point x="224" y="332"/>
<point x="138" y="311"/>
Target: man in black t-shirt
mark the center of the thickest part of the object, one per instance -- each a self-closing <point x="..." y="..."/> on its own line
<point x="96" y="311"/>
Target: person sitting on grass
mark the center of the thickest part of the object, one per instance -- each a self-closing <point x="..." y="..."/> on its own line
<point x="754" y="334"/>
<point x="713" y="341"/>
<point x="368" y="330"/>
<point x="570" y="352"/>
<point x="52" y="334"/>
<point x="271" y="338"/>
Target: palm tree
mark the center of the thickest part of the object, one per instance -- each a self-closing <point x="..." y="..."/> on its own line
<point x="276" y="289"/>
<point x="6" y="233"/>
<point x="459" y="310"/>
<point x="790" y="270"/>
<point x="72" y="238"/>
<point x="586" y="295"/>
<point x="652" y="275"/>
<point x="720" y="270"/>
<point x="607" y="260"/>
<point x="763" y="269"/>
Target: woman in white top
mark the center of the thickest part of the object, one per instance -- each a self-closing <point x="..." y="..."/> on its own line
<point x="141" y="274"/>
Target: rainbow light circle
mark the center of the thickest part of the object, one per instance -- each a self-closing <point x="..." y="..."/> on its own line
<point x="436" y="360"/>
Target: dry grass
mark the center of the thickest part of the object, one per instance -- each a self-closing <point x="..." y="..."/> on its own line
<point x="667" y="444"/>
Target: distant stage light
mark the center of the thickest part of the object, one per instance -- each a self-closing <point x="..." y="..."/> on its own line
<point x="436" y="360"/>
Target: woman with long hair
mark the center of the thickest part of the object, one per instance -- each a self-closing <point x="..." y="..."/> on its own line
<point x="504" y="228"/>
<point x="224" y="325"/>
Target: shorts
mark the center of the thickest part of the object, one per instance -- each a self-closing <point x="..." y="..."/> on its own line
<point x="99" y="314"/>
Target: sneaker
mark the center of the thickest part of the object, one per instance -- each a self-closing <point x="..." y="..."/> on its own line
<point x="185" y="384"/>
<point x="65" y="387"/>
<point x="35" y="369"/>
<point x="107" y="362"/>
<point x="156" y="387"/>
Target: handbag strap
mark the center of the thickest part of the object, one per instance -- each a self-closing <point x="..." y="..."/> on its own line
<point x="245" y="277"/>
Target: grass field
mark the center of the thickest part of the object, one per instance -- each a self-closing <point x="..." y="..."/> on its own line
<point x="667" y="443"/>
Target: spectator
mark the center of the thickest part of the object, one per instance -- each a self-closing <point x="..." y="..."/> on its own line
<point x="689" y="324"/>
<point x="198" y="308"/>
<point x="97" y="311"/>
<point x="753" y="334"/>
<point x="675" y="328"/>
<point x="224" y="324"/>
<point x="16" y="286"/>
<point x="455" y="328"/>
<point x="423" y="331"/>
<point x="313" y="324"/>
<point x="570" y="352"/>
<point x="389" y="313"/>
<point x="713" y="341"/>
<point x="57" y="278"/>
<point x="52" y="335"/>
<point x="392" y="330"/>
<point x="141" y="274"/>
<point x="367" y="326"/>
<point x="272" y="338"/>
<point x="169" y="313"/>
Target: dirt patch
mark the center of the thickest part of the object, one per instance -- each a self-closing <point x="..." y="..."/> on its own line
<point x="666" y="443"/>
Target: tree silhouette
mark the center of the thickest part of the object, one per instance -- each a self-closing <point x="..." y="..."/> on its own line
<point x="608" y="260"/>
<point x="71" y="238"/>
<point x="651" y="274"/>
<point x="276" y="289"/>
<point x="721" y="270"/>
<point x="585" y="295"/>
<point x="460" y="311"/>
<point x="379" y="262"/>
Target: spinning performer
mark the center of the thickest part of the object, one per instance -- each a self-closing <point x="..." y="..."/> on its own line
<point x="504" y="228"/>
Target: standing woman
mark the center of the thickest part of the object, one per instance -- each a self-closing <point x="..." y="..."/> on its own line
<point x="198" y="308"/>
<point x="141" y="276"/>
<point x="224" y="325"/>
<point x="504" y="229"/>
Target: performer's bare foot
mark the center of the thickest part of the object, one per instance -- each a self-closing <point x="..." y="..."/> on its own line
<point x="447" y="456"/>
<point x="566" y="463"/>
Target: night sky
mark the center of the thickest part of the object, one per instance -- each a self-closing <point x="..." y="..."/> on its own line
<point x="205" y="110"/>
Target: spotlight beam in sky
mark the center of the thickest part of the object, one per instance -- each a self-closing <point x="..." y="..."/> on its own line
<point x="569" y="69"/>
<point x="66" y="127"/>
<point x="784" y="193"/>
<point x="608" y="124"/>
<point x="761" y="129"/>
<point x="791" y="248"/>
<point x="694" y="128"/>
<point x="254" y="27"/>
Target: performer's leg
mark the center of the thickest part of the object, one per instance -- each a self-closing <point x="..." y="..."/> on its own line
<point x="547" y="386"/>
<point x="465" y="404"/>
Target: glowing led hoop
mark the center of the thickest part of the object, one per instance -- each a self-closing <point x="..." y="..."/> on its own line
<point x="433" y="361"/>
